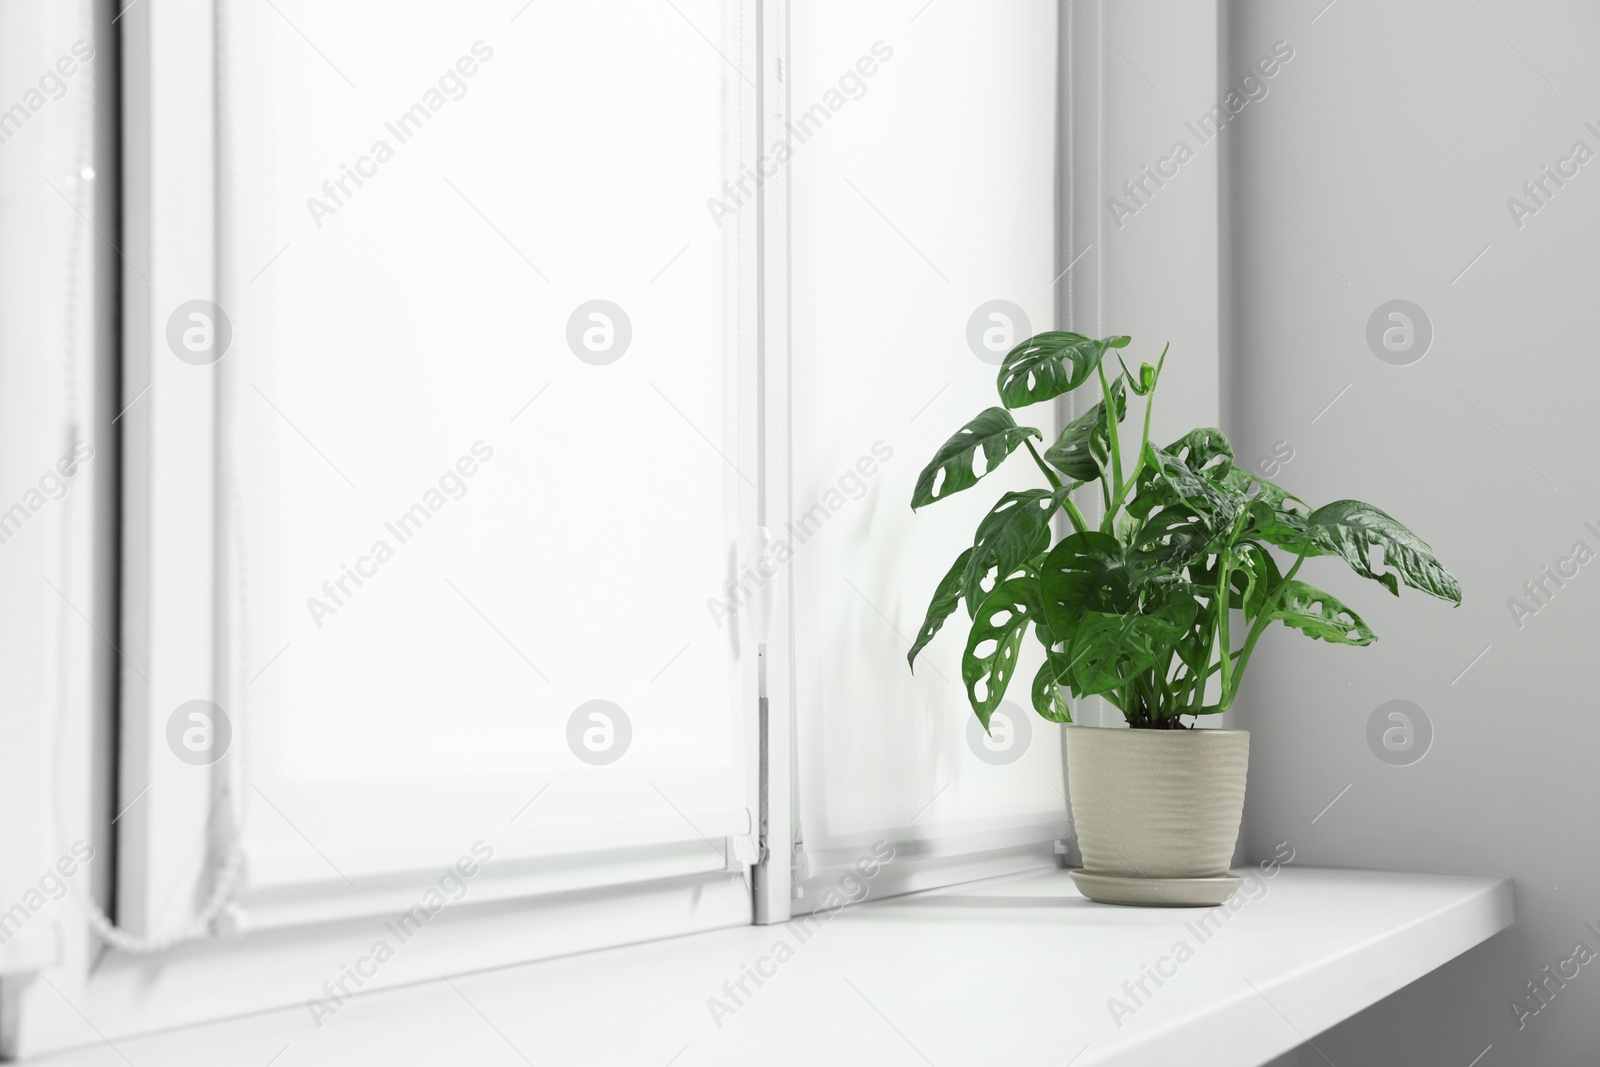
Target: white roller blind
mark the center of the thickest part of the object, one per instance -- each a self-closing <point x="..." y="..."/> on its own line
<point x="489" y="441"/>
<point x="924" y="215"/>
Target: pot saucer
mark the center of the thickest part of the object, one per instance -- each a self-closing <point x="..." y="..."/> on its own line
<point x="1155" y="892"/>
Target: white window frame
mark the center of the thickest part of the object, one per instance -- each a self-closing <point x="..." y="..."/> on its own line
<point x="168" y="141"/>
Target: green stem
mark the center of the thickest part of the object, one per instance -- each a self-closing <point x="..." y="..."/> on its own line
<point x="1224" y="594"/>
<point x="1111" y="429"/>
<point x="1078" y="522"/>
<point x="1262" y="619"/>
<point x="1055" y="483"/>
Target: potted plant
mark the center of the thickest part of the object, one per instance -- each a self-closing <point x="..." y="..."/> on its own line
<point x="1157" y="608"/>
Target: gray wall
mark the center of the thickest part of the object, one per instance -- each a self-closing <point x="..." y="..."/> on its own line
<point x="1378" y="167"/>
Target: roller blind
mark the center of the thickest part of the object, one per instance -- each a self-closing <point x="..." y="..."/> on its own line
<point x="924" y="246"/>
<point x="488" y="442"/>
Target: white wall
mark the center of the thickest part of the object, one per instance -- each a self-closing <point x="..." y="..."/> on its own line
<point x="1377" y="168"/>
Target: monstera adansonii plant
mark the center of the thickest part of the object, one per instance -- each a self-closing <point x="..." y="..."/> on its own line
<point x="1140" y="609"/>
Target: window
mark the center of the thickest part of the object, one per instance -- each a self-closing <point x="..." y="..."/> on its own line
<point x="475" y="360"/>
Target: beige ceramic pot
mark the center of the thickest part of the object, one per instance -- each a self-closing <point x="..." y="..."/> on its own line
<point x="1156" y="813"/>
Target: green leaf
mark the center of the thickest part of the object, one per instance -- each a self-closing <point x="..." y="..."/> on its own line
<point x="1205" y="452"/>
<point x="1277" y="516"/>
<point x="994" y="431"/>
<point x="1001" y="621"/>
<point x="1321" y="616"/>
<point x="1047" y="698"/>
<point x="1049" y="364"/>
<point x="1166" y="480"/>
<point x="1083" y="573"/>
<point x="1352" y="529"/>
<point x="945" y="599"/>
<point x="1255" y="576"/>
<point x="1170" y="540"/>
<point x="1108" y="651"/>
<point x="1017" y="529"/>
<point x="1083" y="450"/>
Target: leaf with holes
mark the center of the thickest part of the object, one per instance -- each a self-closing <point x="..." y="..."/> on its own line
<point x="1108" y="651"/>
<point x="1083" y="573"/>
<point x="1083" y="450"/>
<point x="1047" y="698"/>
<point x="1321" y="616"/>
<point x="1050" y="364"/>
<point x="1277" y="516"/>
<point x="1002" y="619"/>
<point x="945" y="599"/>
<point x="1016" y="530"/>
<point x="1170" y="540"/>
<point x="1205" y="451"/>
<point x="1165" y="480"/>
<point x="994" y="431"/>
<point x="1352" y="530"/>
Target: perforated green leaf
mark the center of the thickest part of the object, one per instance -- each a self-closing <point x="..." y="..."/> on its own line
<point x="1352" y="529"/>
<point x="1017" y="529"/>
<point x="1081" y="574"/>
<point x="1048" y="700"/>
<point x="1321" y="615"/>
<point x="994" y="431"/>
<point x="1083" y="449"/>
<point x="1002" y="619"/>
<point x="1049" y="364"/>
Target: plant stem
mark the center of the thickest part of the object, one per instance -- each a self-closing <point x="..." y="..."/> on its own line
<point x="1073" y="513"/>
<point x="1260" y="626"/>
<point x="1112" y="431"/>
<point x="1055" y="483"/>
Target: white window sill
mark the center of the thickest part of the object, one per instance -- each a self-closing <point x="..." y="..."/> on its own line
<point x="1014" y="970"/>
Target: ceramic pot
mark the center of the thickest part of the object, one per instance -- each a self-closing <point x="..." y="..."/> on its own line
<point x="1156" y="813"/>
